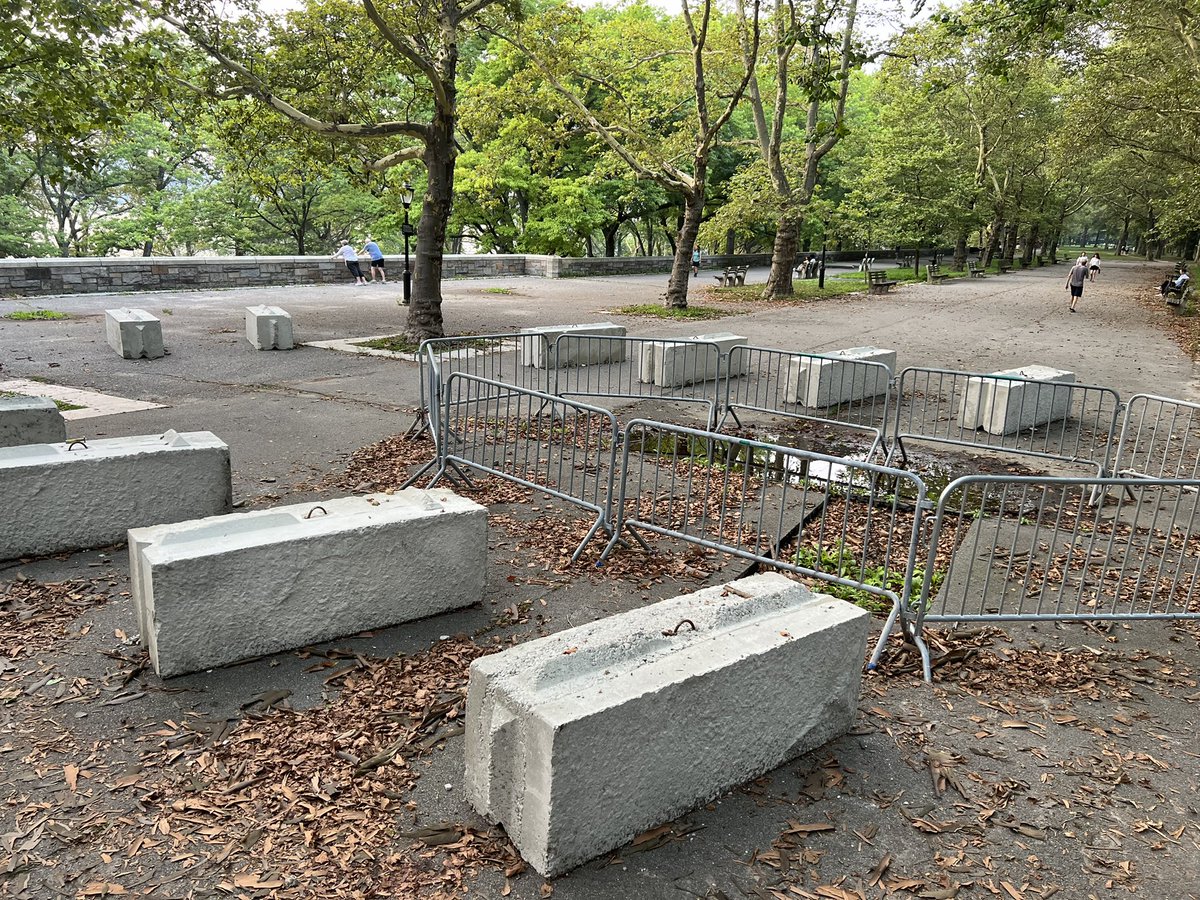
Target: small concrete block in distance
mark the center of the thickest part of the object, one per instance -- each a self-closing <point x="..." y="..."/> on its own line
<point x="541" y="354"/>
<point x="838" y="377"/>
<point x="1000" y="405"/>
<point x="220" y="590"/>
<point x="579" y="741"/>
<point x="269" y="328"/>
<point x="678" y="363"/>
<point x="73" y="496"/>
<point x="30" y="420"/>
<point x="133" y="333"/>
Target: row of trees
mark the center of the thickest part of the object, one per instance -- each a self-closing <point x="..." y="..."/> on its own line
<point x="1011" y="125"/>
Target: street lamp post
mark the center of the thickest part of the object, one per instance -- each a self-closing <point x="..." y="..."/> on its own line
<point x="824" y="244"/>
<point x="406" y="197"/>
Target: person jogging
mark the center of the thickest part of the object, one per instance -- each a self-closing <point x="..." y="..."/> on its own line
<point x="1075" y="280"/>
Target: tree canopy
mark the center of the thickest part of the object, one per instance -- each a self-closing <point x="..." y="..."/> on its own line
<point x="1007" y="126"/>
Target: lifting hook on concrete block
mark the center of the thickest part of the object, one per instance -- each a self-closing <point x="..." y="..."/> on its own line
<point x="309" y="514"/>
<point x="82" y="442"/>
<point x="674" y="631"/>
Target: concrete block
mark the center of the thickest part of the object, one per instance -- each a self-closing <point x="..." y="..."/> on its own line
<point x="219" y="590"/>
<point x="58" y="498"/>
<point x="269" y="328"/>
<point x="678" y="363"/>
<point x="540" y="354"/>
<point x="834" y="378"/>
<point x="30" y="420"/>
<point x="133" y="333"/>
<point x="579" y="741"/>
<point x="1000" y="405"/>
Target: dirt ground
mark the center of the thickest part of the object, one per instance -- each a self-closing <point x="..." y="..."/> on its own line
<point x="1045" y="760"/>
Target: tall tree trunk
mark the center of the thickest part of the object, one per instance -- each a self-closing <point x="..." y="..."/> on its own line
<point x="993" y="242"/>
<point x="1124" y="233"/>
<point x="610" y="238"/>
<point x="148" y="247"/>
<point x="960" y="251"/>
<point x="1010" y="241"/>
<point x="783" y="259"/>
<point x="681" y="268"/>
<point x="729" y="242"/>
<point x="425" y="312"/>
<point x="1030" y="240"/>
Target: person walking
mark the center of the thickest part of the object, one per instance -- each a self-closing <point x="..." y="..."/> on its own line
<point x="1075" y="280"/>
<point x="695" y="262"/>
<point x="378" y="270"/>
<point x="346" y="252"/>
<point x="1094" y="267"/>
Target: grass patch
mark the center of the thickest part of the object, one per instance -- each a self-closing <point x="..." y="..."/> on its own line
<point x="399" y="343"/>
<point x="36" y="315"/>
<point x="654" y="310"/>
<point x="497" y="290"/>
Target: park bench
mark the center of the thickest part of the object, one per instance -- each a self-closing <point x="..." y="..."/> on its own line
<point x="1179" y="298"/>
<point x="1041" y="260"/>
<point x="906" y="262"/>
<point x="879" y="283"/>
<point x="731" y="276"/>
<point x="1004" y="267"/>
<point x="934" y="274"/>
<point x="868" y="262"/>
<point x="974" y="269"/>
<point x="807" y="268"/>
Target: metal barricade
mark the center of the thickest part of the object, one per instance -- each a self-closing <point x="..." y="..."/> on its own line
<point x="1015" y="548"/>
<point x="1075" y="423"/>
<point x="559" y="447"/>
<point x="502" y="357"/>
<point x="837" y="521"/>
<point x="639" y="368"/>
<point x="1160" y="438"/>
<point x="834" y="390"/>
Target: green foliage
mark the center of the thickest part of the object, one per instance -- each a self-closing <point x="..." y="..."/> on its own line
<point x="36" y="315"/>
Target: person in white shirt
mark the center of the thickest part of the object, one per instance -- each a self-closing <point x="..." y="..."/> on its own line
<point x="346" y="252"/>
<point x="1175" y="285"/>
<point x="1094" y="267"/>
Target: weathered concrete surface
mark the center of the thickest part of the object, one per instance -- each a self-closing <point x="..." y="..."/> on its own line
<point x="30" y="420"/>
<point x="1001" y="405"/>
<point x="840" y="379"/>
<point x="269" y="328"/>
<point x="89" y="496"/>
<point x="133" y="333"/>
<point x="677" y="363"/>
<point x="546" y="354"/>
<point x="579" y="741"/>
<point x="220" y="590"/>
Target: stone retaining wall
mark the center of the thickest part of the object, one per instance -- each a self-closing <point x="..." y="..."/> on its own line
<point x="27" y="277"/>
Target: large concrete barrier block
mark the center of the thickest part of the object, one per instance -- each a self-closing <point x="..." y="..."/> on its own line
<point x="269" y="328"/>
<point x="693" y="360"/>
<point x="838" y="377"/>
<point x="999" y="405"/>
<point x="579" y="741"/>
<point x="73" y="496"/>
<point x="30" y="420"/>
<point x="220" y="590"/>
<point x="541" y="353"/>
<point x="133" y="333"/>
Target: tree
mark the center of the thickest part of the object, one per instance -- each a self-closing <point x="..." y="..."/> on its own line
<point x="658" y="100"/>
<point x="409" y="91"/>
<point x="792" y="164"/>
